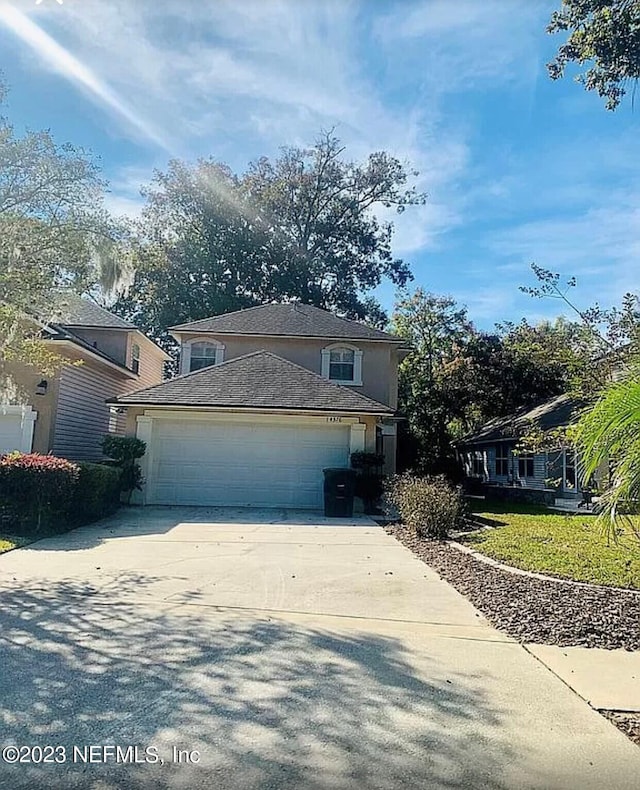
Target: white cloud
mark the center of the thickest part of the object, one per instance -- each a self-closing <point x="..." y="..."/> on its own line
<point x="457" y="44"/>
<point x="63" y="62"/>
<point x="237" y="79"/>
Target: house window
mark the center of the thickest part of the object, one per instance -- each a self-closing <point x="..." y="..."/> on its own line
<point x="503" y="458"/>
<point x="570" y="470"/>
<point x="341" y="364"/>
<point x="478" y="466"/>
<point x="203" y="355"/>
<point x="525" y="465"/>
<point x="135" y="358"/>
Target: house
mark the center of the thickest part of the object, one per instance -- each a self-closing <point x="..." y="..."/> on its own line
<point x="66" y="413"/>
<point x="266" y="399"/>
<point x="489" y="455"/>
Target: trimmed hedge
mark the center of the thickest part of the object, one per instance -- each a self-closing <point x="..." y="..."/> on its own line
<point x="97" y="493"/>
<point x="41" y="494"/>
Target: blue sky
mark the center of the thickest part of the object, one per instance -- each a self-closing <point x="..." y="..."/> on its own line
<point x="517" y="168"/>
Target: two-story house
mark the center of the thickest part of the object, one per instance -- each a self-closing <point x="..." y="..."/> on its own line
<point x="66" y="413"/>
<point x="266" y="398"/>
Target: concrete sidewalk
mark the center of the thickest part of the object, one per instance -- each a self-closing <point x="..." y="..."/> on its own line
<point x="606" y="679"/>
<point x="291" y="652"/>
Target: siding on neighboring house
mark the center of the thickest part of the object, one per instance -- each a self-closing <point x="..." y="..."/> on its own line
<point x="491" y="462"/>
<point x="152" y="361"/>
<point x="83" y="417"/>
<point x="489" y="453"/>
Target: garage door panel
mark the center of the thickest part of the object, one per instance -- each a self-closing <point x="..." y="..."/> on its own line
<point x="252" y="464"/>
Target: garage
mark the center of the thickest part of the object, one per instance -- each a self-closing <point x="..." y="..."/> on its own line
<point x="255" y="431"/>
<point x="16" y="428"/>
<point x="244" y="464"/>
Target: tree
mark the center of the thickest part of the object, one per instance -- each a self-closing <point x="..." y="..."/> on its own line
<point x="605" y="33"/>
<point x="458" y="378"/>
<point x="435" y="327"/>
<point x="53" y="233"/>
<point x="519" y="366"/>
<point x="609" y="338"/>
<point x="305" y="226"/>
<point x="607" y="434"/>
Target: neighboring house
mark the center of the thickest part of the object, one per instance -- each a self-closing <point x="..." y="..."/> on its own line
<point x="67" y="414"/>
<point x="488" y="454"/>
<point x="266" y="399"/>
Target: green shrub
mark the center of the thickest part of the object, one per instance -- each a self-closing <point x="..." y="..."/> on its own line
<point x="97" y="492"/>
<point x="125" y="451"/>
<point x="123" y="448"/>
<point x="36" y="491"/>
<point x="429" y="505"/>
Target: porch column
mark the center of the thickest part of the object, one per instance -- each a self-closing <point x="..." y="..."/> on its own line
<point x="356" y="437"/>
<point x="29" y="417"/>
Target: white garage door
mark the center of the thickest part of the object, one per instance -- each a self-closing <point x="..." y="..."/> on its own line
<point x="16" y="429"/>
<point x="197" y="462"/>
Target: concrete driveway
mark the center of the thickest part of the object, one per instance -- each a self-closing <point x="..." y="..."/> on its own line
<point x="288" y="650"/>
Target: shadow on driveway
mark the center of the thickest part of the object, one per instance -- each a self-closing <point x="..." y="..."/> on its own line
<point x="267" y="703"/>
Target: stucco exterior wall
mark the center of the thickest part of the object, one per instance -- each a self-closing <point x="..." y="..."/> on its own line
<point x="379" y="360"/>
<point x="19" y="388"/>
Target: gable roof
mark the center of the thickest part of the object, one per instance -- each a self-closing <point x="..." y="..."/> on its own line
<point x="287" y="320"/>
<point x="260" y="380"/>
<point x="72" y="310"/>
<point x="554" y="413"/>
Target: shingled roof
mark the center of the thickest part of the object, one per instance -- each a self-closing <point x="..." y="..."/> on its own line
<point x="255" y="381"/>
<point x="70" y="309"/>
<point x="551" y="414"/>
<point x="287" y="320"/>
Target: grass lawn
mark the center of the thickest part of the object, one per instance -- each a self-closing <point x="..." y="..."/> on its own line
<point x="574" y="547"/>
<point x="7" y="543"/>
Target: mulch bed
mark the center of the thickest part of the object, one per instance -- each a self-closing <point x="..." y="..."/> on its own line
<point x="629" y="723"/>
<point x="534" y="610"/>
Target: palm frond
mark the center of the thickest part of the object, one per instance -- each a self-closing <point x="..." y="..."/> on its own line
<point x="608" y="435"/>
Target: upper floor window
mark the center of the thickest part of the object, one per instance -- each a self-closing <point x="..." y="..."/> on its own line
<point x="342" y="364"/>
<point x="135" y="358"/>
<point x="203" y="355"/>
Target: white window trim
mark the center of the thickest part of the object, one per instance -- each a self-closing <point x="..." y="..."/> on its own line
<point x="185" y="352"/>
<point x="525" y="457"/>
<point x="357" y="364"/>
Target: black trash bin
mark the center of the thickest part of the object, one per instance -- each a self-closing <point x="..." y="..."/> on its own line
<point x="339" y="490"/>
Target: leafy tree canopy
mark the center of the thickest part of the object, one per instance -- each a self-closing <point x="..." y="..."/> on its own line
<point x="305" y="226"/>
<point x="605" y="34"/>
<point x="53" y="233"/>
<point x="457" y="377"/>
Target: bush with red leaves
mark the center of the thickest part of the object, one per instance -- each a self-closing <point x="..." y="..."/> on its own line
<point x="36" y="491"/>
